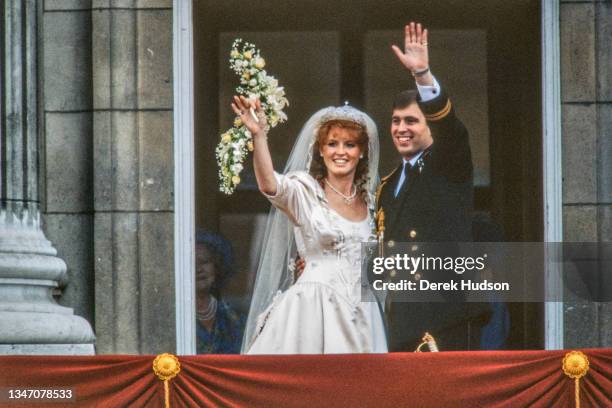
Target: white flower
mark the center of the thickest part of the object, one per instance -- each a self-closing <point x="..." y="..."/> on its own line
<point x="255" y="83"/>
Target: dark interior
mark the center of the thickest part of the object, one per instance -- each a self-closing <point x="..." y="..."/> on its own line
<point x="513" y="195"/>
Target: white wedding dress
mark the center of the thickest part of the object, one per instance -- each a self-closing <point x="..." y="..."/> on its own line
<point x="322" y="312"/>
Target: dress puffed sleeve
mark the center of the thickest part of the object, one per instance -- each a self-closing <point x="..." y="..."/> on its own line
<point x="296" y="194"/>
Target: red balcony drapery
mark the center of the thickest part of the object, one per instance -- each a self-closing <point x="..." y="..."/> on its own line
<point x="451" y="379"/>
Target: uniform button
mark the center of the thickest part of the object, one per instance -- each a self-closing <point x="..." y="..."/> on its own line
<point x="417" y="276"/>
<point x="393" y="273"/>
<point x="391" y="243"/>
<point x="414" y="248"/>
<point x="413" y="234"/>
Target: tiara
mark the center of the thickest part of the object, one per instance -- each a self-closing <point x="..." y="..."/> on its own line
<point x="345" y="112"/>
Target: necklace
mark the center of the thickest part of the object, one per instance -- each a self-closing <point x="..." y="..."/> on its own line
<point x="210" y="311"/>
<point x="347" y="199"/>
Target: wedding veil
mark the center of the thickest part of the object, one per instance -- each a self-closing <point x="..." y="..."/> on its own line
<point x="274" y="273"/>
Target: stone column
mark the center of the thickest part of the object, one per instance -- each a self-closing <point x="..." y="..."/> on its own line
<point x="133" y="176"/>
<point x="31" y="322"/>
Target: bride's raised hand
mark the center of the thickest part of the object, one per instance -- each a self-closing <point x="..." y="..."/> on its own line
<point x="254" y="119"/>
<point x="416" y="55"/>
<point x="251" y="114"/>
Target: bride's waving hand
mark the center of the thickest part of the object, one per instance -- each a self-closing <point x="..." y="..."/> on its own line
<point x="252" y="116"/>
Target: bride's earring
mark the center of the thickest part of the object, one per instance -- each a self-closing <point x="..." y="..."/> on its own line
<point x="361" y="156"/>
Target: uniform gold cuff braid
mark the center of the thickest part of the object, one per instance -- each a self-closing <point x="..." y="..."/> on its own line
<point x="440" y="114"/>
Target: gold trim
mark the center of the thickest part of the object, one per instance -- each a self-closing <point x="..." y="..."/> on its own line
<point x="442" y="113"/>
<point x="166" y="394"/>
<point x="380" y="230"/>
<point x="575" y="365"/>
<point x="166" y="366"/>
<point x="428" y="340"/>
<point x="380" y="221"/>
<point x="378" y="193"/>
<point x="384" y="179"/>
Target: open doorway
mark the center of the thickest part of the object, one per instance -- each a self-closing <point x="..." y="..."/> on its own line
<point x="487" y="53"/>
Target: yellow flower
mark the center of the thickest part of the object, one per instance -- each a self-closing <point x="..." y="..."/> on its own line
<point x="260" y="63"/>
<point x="248" y="55"/>
<point x="273" y="119"/>
<point x="234" y="53"/>
<point x="237" y="122"/>
<point x="246" y="76"/>
<point x="250" y="145"/>
<point x="235" y="180"/>
<point x="226" y="138"/>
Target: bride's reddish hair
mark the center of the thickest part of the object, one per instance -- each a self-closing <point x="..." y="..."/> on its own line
<point x="318" y="170"/>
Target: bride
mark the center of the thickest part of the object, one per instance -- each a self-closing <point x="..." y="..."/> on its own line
<point x="325" y="206"/>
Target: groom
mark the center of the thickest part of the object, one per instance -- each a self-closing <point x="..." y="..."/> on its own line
<point x="429" y="196"/>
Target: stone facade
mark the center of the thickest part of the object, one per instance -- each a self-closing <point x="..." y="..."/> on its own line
<point x="133" y="177"/>
<point x="105" y="163"/>
<point x="586" y="93"/>
<point x="30" y="271"/>
<point x="109" y="167"/>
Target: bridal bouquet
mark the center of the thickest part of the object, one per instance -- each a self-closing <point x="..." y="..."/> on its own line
<point x="246" y="61"/>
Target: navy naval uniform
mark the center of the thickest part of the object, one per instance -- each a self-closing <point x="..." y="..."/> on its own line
<point x="434" y="204"/>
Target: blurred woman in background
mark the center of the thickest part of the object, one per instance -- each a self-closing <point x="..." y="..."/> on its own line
<point x="219" y="328"/>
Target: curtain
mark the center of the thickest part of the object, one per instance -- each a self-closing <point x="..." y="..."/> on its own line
<point x="447" y="379"/>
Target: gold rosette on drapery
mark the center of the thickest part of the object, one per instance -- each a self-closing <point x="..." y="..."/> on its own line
<point x="575" y="365"/>
<point x="166" y="366"/>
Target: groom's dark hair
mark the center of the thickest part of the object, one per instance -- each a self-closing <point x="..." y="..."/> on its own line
<point x="405" y="98"/>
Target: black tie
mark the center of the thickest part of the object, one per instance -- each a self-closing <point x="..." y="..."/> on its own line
<point x="407" y="173"/>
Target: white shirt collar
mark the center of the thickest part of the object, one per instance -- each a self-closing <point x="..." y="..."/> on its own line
<point x="413" y="160"/>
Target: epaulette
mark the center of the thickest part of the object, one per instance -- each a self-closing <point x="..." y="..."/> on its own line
<point x="442" y="113"/>
<point x="378" y="193"/>
<point x="384" y="179"/>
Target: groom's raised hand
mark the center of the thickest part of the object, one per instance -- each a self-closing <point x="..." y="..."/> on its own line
<point x="415" y="56"/>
